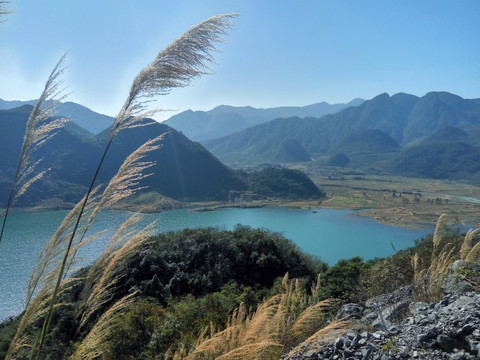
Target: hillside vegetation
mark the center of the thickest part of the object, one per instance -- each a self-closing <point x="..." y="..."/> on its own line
<point x="210" y="294"/>
<point x="386" y="130"/>
<point x="184" y="170"/>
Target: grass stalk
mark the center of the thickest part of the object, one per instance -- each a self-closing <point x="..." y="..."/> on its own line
<point x="37" y="132"/>
<point x="183" y="60"/>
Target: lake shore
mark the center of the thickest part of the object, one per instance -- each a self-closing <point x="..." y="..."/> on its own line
<point x="399" y="201"/>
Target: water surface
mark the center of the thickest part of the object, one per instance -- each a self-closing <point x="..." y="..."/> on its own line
<point x="326" y="233"/>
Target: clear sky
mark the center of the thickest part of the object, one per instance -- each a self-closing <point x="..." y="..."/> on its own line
<point x="279" y="53"/>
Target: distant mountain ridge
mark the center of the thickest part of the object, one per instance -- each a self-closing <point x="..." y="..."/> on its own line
<point x="224" y="120"/>
<point x="184" y="170"/>
<point x="407" y="119"/>
<point x="81" y="115"/>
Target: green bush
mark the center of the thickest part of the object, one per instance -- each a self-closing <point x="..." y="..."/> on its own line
<point x="342" y="280"/>
<point x="201" y="261"/>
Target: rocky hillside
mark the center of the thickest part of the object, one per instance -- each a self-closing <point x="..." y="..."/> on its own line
<point x="403" y="329"/>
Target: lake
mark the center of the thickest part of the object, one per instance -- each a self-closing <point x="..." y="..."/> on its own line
<point x="326" y="233"/>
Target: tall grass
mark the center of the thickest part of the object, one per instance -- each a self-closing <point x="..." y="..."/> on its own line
<point x="176" y="66"/>
<point x="38" y="131"/>
<point x="278" y="323"/>
<point x="448" y="246"/>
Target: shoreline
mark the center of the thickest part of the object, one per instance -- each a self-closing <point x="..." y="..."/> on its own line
<point x="406" y="202"/>
<point x="381" y="215"/>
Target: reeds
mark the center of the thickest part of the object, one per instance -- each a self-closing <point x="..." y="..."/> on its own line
<point x="38" y="131"/>
<point x="447" y="248"/>
<point x="91" y="346"/>
<point x="102" y="277"/>
<point x="278" y="323"/>
<point x="182" y="61"/>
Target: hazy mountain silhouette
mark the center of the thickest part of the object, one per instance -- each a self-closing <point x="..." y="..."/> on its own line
<point x="224" y="120"/>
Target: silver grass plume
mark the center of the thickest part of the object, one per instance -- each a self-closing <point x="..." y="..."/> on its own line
<point x="176" y="66"/>
<point x="124" y="184"/>
<point x="53" y="251"/>
<point x="127" y="179"/>
<point x="91" y="346"/>
<point x="182" y="61"/>
<point x="102" y="279"/>
<point x="42" y="282"/>
<point x="58" y="256"/>
<point x="37" y="132"/>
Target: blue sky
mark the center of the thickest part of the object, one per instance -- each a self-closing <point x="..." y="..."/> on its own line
<point x="279" y="53"/>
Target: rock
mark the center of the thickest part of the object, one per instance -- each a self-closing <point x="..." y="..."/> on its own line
<point x="394" y="330"/>
<point x="448" y="329"/>
<point x="467" y="329"/>
<point x="350" y="311"/>
<point x="446" y="342"/>
<point x="459" y="279"/>
<point x="339" y="343"/>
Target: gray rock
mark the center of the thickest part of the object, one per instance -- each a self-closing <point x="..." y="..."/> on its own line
<point x="459" y="279"/>
<point x="446" y="342"/>
<point x="350" y="311"/>
<point x="467" y="329"/>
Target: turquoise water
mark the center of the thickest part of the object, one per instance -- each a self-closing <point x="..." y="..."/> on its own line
<point x="328" y="234"/>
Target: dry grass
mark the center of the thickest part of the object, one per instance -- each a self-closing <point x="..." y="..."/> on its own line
<point x="183" y="60"/>
<point x="277" y="324"/>
<point x="102" y="278"/>
<point x="447" y="248"/>
<point x="313" y="317"/>
<point x="38" y="131"/>
<point x="470" y="250"/>
<point x="92" y="346"/>
<point x="324" y="336"/>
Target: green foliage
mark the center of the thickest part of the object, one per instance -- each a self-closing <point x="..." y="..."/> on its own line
<point x="146" y="330"/>
<point x="339" y="159"/>
<point x="8" y="329"/>
<point x="386" y="275"/>
<point x="423" y="248"/>
<point x="281" y="182"/>
<point x="135" y="333"/>
<point x="342" y="280"/>
<point x="199" y="261"/>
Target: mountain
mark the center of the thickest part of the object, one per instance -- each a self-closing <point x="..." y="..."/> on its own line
<point x="291" y="151"/>
<point x="450" y="153"/>
<point x="405" y="118"/>
<point x="367" y="150"/>
<point x="72" y="151"/>
<point x="366" y="142"/>
<point x="81" y="115"/>
<point x="439" y="110"/>
<point x="183" y="170"/>
<point x="224" y="120"/>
